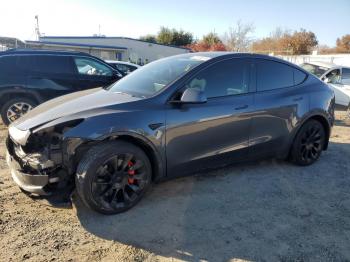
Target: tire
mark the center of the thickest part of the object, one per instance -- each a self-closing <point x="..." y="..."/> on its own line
<point x="112" y="177"/>
<point x="308" y="143"/>
<point x="27" y="104"/>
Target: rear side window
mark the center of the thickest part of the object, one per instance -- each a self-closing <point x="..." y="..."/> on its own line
<point x="299" y="76"/>
<point x="273" y="75"/>
<point x="51" y="64"/>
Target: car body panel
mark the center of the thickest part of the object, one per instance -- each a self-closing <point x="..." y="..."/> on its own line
<point x="77" y="102"/>
<point x="206" y="135"/>
<point x="190" y="137"/>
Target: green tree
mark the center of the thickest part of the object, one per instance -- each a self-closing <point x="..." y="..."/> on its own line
<point x="211" y="39"/>
<point x="149" y="38"/>
<point x="174" y="37"/>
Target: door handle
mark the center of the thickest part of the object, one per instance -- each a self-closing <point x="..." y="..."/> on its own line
<point x="298" y="99"/>
<point x="241" y="107"/>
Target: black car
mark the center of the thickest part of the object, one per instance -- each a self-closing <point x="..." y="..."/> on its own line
<point x="30" y="77"/>
<point x="175" y="116"/>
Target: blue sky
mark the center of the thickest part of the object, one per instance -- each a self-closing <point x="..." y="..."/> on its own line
<point x="327" y="19"/>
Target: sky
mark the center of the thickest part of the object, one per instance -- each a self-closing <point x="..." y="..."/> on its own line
<point x="328" y="19"/>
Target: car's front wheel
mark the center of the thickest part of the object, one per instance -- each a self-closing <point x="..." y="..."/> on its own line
<point x="113" y="177"/>
<point x="308" y="143"/>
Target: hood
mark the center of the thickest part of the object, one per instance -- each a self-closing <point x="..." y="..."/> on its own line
<point x="71" y="104"/>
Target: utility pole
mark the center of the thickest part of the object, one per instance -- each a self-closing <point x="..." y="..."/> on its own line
<point x="37" y="31"/>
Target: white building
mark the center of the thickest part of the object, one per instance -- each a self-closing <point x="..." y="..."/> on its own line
<point x="109" y="48"/>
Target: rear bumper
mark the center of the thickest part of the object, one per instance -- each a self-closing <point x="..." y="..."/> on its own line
<point x="28" y="182"/>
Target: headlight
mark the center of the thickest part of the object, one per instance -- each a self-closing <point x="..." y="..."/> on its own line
<point x="18" y="135"/>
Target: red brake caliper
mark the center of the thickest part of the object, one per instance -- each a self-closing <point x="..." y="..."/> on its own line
<point x="131" y="173"/>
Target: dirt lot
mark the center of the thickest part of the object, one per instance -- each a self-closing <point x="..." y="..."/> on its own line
<point x="269" y="210"/>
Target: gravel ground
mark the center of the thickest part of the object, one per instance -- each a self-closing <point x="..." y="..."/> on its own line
<point x="262" y="211"/>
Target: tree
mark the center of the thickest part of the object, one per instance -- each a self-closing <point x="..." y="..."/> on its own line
<point x="325" y="49"/>
<point x="285" y="42"/>
<point x="237" y="38"/>
<point x="149" y="38"/>
<point x="211" y="39"/>
<point x="343" y="44"/>
<point x="299" y="43"/>
<point x="174" y="37"/>
<point x="272" y="43"/>
<point x="209" y="42"/>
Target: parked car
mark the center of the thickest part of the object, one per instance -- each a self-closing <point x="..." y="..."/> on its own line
<point x="337" y="77"/>
<point x="177" y="115"/>
<point x="30" y="77"/>
<point x="124" y="67"/>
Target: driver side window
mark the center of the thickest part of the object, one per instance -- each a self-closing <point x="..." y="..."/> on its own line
<point x="86" y="66"/>
<point x="225" y="78"/>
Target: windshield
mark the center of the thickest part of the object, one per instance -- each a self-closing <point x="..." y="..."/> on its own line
<point x="314" y="69"/>
<point x="151" y="78"/>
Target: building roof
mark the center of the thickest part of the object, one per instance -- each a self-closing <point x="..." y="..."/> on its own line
<point x="75" y="44"/>
<point x="109" y="37"/>
<point x="41" y="51"/>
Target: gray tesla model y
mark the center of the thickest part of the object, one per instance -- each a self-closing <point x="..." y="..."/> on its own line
<point x="174" y="116"/>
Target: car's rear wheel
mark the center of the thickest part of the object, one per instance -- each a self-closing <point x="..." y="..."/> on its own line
<point x="15" y="108"/>
<point x="113" y="177"/>
<point x="309" y="143"/>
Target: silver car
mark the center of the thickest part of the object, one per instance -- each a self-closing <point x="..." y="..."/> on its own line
<point x="337" y="77"/>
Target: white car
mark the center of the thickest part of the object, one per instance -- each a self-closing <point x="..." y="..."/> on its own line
<point x="124" y="67"/>
<point x="337" y="77"/>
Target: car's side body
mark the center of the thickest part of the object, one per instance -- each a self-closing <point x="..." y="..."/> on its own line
<point x="40" y="75"/>
<point x="185" y="138"/>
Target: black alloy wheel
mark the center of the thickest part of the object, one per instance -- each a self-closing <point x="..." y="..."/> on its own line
<point x="113" y="177"/>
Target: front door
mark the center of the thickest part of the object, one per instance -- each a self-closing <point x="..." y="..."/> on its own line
<point x="214" y="133"/>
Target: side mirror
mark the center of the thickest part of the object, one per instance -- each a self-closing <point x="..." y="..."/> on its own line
<point x="193" y="96"/>
<point x="327" y="80"/>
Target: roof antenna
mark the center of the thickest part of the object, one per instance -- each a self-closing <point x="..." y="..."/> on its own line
<point x="37" y="31"/>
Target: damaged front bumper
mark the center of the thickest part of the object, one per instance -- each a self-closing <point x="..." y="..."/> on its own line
<point x="35" y="173"/>
<point x="31" y="183"/>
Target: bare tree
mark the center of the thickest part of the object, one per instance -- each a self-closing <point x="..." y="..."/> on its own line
<point x="237" y="38"/>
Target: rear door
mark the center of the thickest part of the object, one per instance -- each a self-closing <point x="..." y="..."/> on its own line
<point x="279" y="102"/>
<point x="92" y="73"/>
<point x="50" y="75"/>
<point x="11" y="75"/>
<point x="205" y="135"/>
